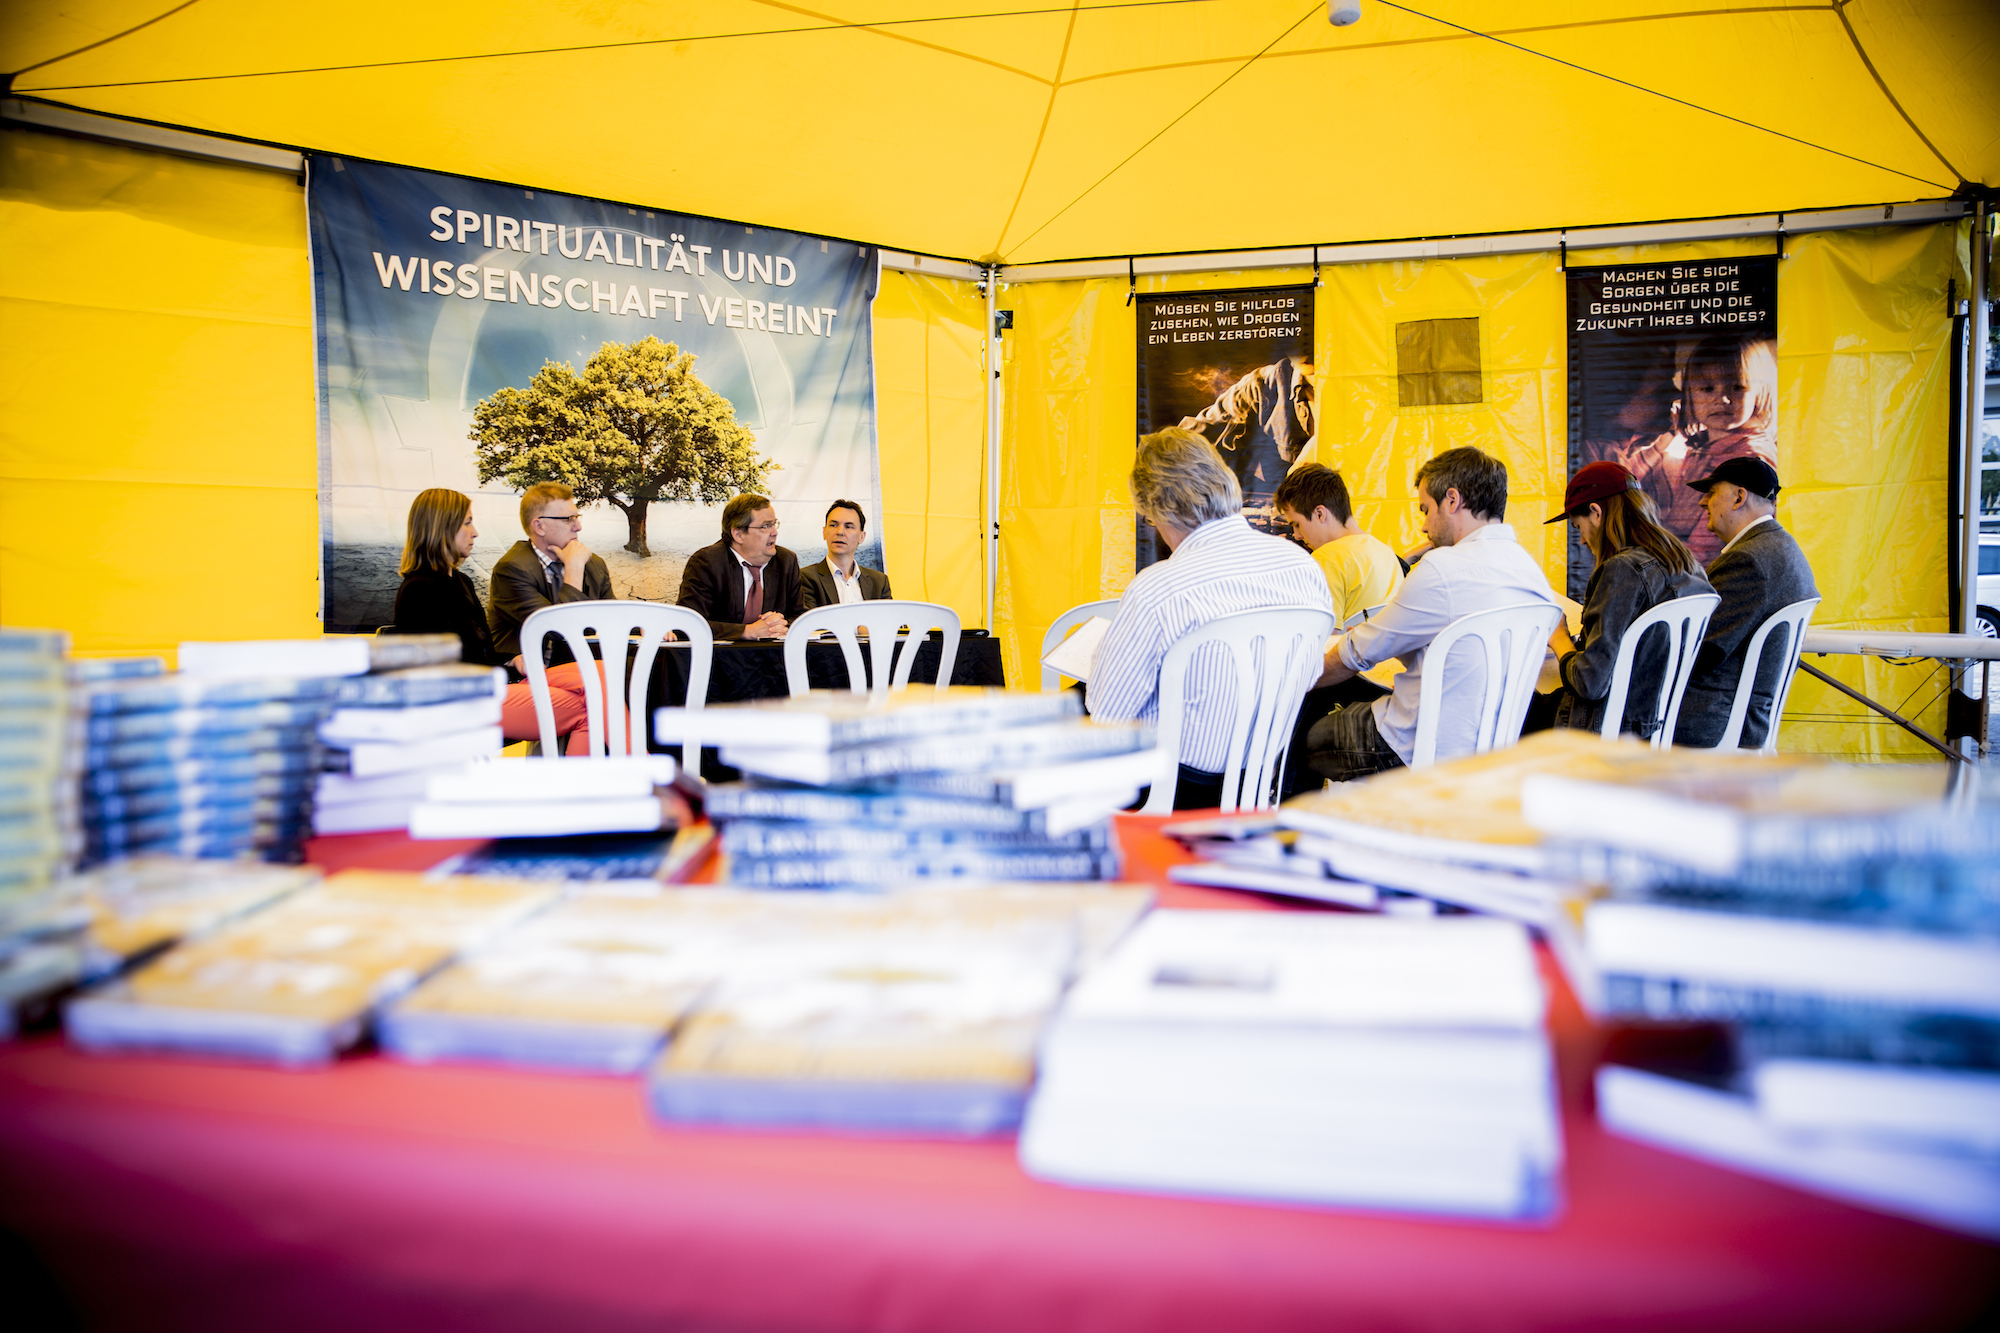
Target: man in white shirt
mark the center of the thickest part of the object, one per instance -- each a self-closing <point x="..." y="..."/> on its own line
<point x="840" y="578"/>
<point x="1219" y="566"/>
<point x="1475" y="564"/>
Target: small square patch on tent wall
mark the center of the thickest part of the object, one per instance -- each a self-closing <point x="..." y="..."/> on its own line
<point x="1437" y="362"/>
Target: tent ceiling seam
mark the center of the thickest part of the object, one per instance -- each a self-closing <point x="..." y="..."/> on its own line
<point x="1048" y="113"/>
<point x="1347" y="47"/>
<point x="1840" y="11"/>
<point x="1669" y="97"/>
<point x="1192" y="107"/>
<point x="832" y="25"/>
<point x="104" y="41"/>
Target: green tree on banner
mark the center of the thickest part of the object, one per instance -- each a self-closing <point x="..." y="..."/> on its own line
<point x="637" y="425"/>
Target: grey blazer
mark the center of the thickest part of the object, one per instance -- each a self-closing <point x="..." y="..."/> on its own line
<point x="1761" y="574"/>
<point x="817" y="588"/>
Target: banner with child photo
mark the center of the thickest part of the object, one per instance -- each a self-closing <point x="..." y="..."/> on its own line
<point x="1673" y="368"/>
<point x="483" y="338"/>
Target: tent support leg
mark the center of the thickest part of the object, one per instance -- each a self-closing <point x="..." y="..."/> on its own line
<point x="990" y="536"/>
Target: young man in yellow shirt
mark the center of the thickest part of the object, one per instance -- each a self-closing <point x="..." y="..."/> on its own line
<point x="1361" y="572"/>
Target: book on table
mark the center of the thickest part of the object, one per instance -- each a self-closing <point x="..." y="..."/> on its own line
<point x="1309" y="1058"/>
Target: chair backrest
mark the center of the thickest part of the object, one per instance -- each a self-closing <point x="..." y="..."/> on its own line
<point x="1685" y="620"/>
<point x="883" y="620"/>
<point x="1067" y="621"/>
<point x="1512" y="641"/>
<point x="1793" y="619"/>
<point x="1274" y="656"/>
<point x="617" y="724"/>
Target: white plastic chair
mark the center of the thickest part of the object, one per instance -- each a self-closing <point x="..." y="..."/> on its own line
<point x="884" y="620"/>
<point x="617" y="725"/>
<point x="1513" y="641"/>
<point x="1686" y="620"/>
<point x="1067" y="621"/>
<point x="1794" y="618"/>
<point x="1268" y="693"/>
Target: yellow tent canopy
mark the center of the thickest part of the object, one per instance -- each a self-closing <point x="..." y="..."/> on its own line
<point x="976" y="130"/>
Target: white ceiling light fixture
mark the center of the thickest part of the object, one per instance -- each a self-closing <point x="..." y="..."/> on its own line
<point x="1340" y="13"/>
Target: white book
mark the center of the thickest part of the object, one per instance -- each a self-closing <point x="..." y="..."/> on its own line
<point x="1518" y="897"/>
<point x="1940" y="1109"/>
<point x="536" y="819"/>
<point x="1038" y="787"/>
<point x="344" y="655"/>
<point x="1004" y="748"/>
<point x="344" y="789"/>
<point x="1074" y="655"/>
<point x="364" y="816"/>
<point x="552" y="779"/>
<point x="366" y="759"/>
<point x="1948" y="1190"/>
<point x="1220" y="875"/>
<point x="1953" y="975"/>
<point x="1318" y="968"/>
<point x="348" y="725"/>
<point x="823" y="719"/>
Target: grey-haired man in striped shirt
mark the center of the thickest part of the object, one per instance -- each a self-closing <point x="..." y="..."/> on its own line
<point x="1219" y="567"/>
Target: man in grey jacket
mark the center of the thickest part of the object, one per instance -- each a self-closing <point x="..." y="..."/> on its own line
<point x="1759" y="571"/>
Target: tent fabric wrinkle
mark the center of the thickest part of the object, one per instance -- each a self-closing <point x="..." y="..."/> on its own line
<point x="1044" y="132"/>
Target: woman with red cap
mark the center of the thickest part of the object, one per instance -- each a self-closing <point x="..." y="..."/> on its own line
<point x="1639" y="565"/>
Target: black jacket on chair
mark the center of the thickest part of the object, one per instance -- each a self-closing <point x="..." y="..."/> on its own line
<point x="1762" y="574"/>
<point x="712" y="587"/>
<point x="817" y="587"/>
<point x="520" y="588"/>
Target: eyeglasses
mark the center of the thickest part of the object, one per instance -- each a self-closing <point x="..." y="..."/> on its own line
<point x="772" y="526"/>
<point x="576" y="519"/>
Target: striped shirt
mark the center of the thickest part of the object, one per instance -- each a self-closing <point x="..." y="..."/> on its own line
<point x="1222" y="567"/>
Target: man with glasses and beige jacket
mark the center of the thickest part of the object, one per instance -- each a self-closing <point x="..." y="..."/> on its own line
<point x="552" y="566"/>
<point x="746" y="585"/>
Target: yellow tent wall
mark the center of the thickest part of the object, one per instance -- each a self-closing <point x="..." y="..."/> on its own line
<point x="1864" y="366"/>
<point x="158" y="469"/>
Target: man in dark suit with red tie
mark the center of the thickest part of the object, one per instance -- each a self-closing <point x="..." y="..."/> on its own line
<point x="746" y="585"/>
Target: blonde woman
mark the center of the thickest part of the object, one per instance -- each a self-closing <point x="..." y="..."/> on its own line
<point x="437" y="598"/>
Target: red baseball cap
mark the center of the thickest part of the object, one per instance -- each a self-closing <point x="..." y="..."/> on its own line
<point x="1593" y="482"/>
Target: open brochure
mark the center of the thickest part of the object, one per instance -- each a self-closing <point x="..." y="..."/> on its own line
<point x="1073" y="656"/>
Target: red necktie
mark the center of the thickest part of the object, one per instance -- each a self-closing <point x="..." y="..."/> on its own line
<point x="753" y="601"/>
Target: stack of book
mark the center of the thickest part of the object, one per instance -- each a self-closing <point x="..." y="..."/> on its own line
<point x="545" y="797"/>
<point x="961" y="783"/>
<point x="1322" y="1058"/>
<point x="196" y="766"/>
<point x="1838" y="929"/>
<point x="38" y="824"/>
<point x="87" y="927"/>
<point x="1409" y="840"/>
<point x="297" y="982"/>
<point x="917" y="1010"/>
<point x="390" y="732"/>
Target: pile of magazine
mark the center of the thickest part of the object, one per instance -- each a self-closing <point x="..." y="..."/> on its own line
<point x="298" y="981"/>
<point x="959" y="783"/>
<point x="1834" y="930"/>
<point x="38" y="817"/>
<point x="91" y="926"/>
<point x="1410" y="840"/>
<point x="917" y="1010"/>
<point x="1322" y="1058"/>
<point x="391" y="731"/>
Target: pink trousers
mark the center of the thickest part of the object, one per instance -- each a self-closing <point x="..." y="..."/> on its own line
<point x="566" y="700"/>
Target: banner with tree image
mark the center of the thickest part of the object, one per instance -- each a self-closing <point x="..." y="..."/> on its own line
<point x="484" y="337"/>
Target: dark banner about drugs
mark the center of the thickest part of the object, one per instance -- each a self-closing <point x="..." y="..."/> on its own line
<point x="1237" y="367"/>
<point x="1673" y="367"/>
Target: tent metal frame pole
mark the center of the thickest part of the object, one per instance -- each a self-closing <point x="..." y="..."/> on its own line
<point x="1965" y="727"/>
<point x="990" y="537"/>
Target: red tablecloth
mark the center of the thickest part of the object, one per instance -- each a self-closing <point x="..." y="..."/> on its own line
<point x="166" y="1194"/>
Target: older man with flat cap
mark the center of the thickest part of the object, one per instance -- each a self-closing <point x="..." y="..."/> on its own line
<point x="1759" y="571"/>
